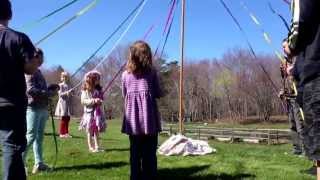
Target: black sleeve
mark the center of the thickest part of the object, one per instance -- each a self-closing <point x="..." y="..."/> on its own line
<point x="304" y="15"/>
<point x="26" y="48"/>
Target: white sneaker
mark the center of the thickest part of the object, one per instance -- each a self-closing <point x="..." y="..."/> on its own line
<point x="40" y="167"/>
<point x="62" y="136"/>
<point x="68" y="136"/>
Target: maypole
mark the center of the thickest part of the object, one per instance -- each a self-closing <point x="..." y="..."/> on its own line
<point x="181" y="99"/>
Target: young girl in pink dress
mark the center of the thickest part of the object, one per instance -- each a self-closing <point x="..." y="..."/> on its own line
<point x="93" y="119"/>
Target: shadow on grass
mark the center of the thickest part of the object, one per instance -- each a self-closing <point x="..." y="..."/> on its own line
<point x="57" y="135"/>
<point x="106" y="165"/>
<point x="117" y="149"/>
<point x="188" y="174"/>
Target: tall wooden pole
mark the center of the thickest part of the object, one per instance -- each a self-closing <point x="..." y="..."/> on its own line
<point x="181" y="99"/>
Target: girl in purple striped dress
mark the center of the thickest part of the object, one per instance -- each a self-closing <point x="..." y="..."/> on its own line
<point x="140" y="88"/>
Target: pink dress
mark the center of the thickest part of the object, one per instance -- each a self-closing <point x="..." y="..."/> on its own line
<point x="99" y="117"/>
<point x="93" y="120"/>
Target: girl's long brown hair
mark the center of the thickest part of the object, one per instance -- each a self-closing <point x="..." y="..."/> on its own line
<point x="140" y="58"/>
<point x="88" y="83"/>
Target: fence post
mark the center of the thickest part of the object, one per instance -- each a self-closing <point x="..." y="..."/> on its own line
<point x="170" y="131"/>
<point x="232" y="135"/>
<point x="269" y="140"/>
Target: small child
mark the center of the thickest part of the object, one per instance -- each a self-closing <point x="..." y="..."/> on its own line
<point x="92" y="101"/>
<point x="63" y="106"/>
<point x="140" y="88"/>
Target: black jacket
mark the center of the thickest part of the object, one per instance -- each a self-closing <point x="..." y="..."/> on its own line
<point x="304" y="37"/>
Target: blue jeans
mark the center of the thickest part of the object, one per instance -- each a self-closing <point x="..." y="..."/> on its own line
<point x="36" y="123"/>
<point x="13" y="141"/>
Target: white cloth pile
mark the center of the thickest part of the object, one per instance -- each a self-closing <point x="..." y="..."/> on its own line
<point x="181" y="145"/>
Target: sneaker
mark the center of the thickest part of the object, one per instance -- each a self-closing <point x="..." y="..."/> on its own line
<point x="68" y="136"/>
<point x="100" y="150"/>
<point x="297" y="151"/>
<point x="40" y="167"/>
<point x="62" y="136"/>
<point x="311" y="171"/>
<point x="91" y="149"/>
<point x="95" y="151"/>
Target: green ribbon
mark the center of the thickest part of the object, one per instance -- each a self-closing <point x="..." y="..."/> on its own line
<point x="78" y="14"/>
<point x="30" y="25"/>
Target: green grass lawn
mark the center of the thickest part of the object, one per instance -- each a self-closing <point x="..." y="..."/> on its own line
<point x="232" y="161"/>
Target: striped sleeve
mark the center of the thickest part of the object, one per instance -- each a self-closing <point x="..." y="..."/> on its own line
<point x="294" y="32"/>
<point x="304" y="14"/>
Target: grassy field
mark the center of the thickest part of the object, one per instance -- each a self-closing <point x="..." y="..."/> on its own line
<point x="232" y="161"/>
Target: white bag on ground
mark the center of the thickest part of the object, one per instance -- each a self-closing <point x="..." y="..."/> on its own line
<point x="181" y="145"/>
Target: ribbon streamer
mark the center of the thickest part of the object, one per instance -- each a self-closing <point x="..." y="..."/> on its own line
<point x="80" y="13"/>
<point x="248" y="43"/>
<point x="279" y="15"/>
<point x="117" y="42"/>
<point x="30" y="25"/>
<point x="165" y="28"/>
<point x="108" y="38"/>
<point x="264" y="33"/>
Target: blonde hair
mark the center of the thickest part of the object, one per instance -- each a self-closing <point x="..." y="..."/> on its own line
<point x="65" y="75"/>
<point x="140" y="58"/>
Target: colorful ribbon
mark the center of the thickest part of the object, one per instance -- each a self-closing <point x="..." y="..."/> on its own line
<point x="80" y="13"/>
<point x="30" y="25"/>
<point x="117" y="42"/>
<point x="108" y="38"/>
<point x="249" y="44"/>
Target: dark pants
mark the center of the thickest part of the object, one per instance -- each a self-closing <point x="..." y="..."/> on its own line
<point x="143" y="158"/>
<point x="311" y="107"/>
<point x="296" y="124"/>
<point x="64" y="125"/>
<point x="13" y="141"/>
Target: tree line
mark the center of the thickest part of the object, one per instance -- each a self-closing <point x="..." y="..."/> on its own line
<point x="234" y="87"/>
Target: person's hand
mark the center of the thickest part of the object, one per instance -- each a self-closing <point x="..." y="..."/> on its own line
<point x="68" y="93"/>
<point x="289" y="69"/>
<point x="283" y="70"/>
<point x="286" y="48"/>
<point x="281" y="94"/>
<point x="98" y="101"/>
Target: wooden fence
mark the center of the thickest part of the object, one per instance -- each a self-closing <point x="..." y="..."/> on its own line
<point x="269" y="136"/>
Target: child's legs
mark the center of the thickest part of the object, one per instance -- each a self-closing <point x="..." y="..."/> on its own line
<point x="149" y="157"/>
<point x="89" y="138"/>
<point x="135" y="157"/>
<point x="32" y="116"/>
<point x="67" y="121"/>
<point x="62" y="126"/>
<point x="96" y="139"/>
<point x="37" y="145"/>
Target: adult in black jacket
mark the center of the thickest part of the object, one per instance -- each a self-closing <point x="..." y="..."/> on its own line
<point x="304" y="39"/>
<point x="17" y="56"/>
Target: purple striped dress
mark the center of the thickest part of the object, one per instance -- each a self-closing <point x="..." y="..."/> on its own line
<point x="141" y="115"/>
